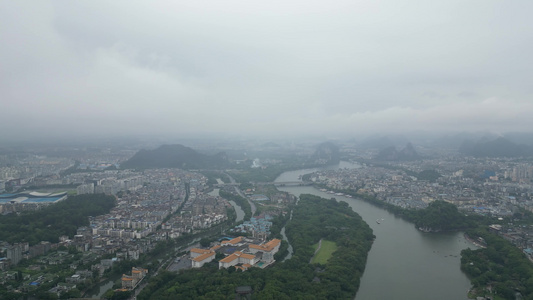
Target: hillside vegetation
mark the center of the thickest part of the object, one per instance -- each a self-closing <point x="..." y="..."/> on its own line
<point x="441" y="216"/>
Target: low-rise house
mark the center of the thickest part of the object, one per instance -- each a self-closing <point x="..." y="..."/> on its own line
<point x="129" y="282"/>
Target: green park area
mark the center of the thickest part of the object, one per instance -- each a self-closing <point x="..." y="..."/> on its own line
<point x="324" y="253"/>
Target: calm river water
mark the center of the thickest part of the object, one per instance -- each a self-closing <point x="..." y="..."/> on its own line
<point x="404" y="263"/>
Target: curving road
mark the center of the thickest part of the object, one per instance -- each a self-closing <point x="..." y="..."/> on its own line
<point x="316" y="251"/>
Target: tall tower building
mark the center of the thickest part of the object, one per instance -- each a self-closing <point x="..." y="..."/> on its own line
<point x="14" y="253"/>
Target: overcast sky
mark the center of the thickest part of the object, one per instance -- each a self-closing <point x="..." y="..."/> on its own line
<point x="265" y="67"/>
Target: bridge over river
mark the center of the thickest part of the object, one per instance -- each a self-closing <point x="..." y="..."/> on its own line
<point x="277" y="183"/>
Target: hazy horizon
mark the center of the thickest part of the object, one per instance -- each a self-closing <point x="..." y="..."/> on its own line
<point x="99" y="69"/>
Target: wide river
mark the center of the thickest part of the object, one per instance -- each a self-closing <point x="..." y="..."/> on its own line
<point x="404" y="263"/>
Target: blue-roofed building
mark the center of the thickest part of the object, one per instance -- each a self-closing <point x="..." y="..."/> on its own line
<point x="257" y="226"/>
<point x="32" y="197"/>
<point x="28" y="201"/>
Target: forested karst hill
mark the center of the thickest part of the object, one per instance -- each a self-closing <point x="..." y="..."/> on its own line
<point x="500" y="147"/>
<point x="174" y="156"/>
<point x="441" y="216"/>
<point x="327" y="153"/>
<point x="392" y="154"/>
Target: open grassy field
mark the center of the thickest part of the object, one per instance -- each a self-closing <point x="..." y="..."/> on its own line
<point x="326" y="250"/>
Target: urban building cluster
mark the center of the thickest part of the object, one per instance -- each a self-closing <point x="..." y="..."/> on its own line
<point x="151" y="210"/>
<point x="486" y="186"/>
<point x="16" y="252"/>
<point x="41" y="170"/>
<point x="200" y="212"/>
<point x="164" y="204"/>
<point x="16" y="170"/>
<point x="108" y="182"/>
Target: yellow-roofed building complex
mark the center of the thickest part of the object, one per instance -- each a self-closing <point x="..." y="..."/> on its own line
<point x="240" y="258"/>
<point x="268" y="249"/>
<point x="199" y="257"/>
<point x="237" y="258"/>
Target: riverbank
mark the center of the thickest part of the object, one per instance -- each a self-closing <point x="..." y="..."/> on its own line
<point x="403" y="263"/>
<point x="475" y="241"/>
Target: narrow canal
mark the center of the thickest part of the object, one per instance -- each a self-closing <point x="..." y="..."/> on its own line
<point x="238" y="210"/>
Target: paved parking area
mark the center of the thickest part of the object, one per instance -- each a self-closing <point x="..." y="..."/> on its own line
<point x="180" y="263"/>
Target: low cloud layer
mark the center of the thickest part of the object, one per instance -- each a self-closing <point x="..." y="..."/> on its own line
<point x="349" y="68"/>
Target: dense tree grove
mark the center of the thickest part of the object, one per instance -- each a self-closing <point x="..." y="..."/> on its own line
<point x="314" y="218"/>
<point x="441" y="216"/>
<point x="55" y="220"/>
<point x="500" y="266"/>
<point x="333" y="221"/>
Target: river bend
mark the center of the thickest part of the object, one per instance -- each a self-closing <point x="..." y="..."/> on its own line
<point x="404" y="263"/>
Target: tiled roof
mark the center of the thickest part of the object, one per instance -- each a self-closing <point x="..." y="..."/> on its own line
<point x="247" y="256"/>
<point x="200" y="251"/>
<point x="229" y="258"/>
<point x="236" y="255"/>
<point x="268" y="246"/>
<point x="234" y="241"/>
<point x="203" y="256"/>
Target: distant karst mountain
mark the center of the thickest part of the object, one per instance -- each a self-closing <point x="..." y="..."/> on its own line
<point x="455" y="141"/>
<point x="326" y="153"/>
<point x="392" y="154"/>
<point x="174" y="156"/>
<point x="381" y="142"/>
<point x="270" y="145"/>
<point x="500" y="147"/>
